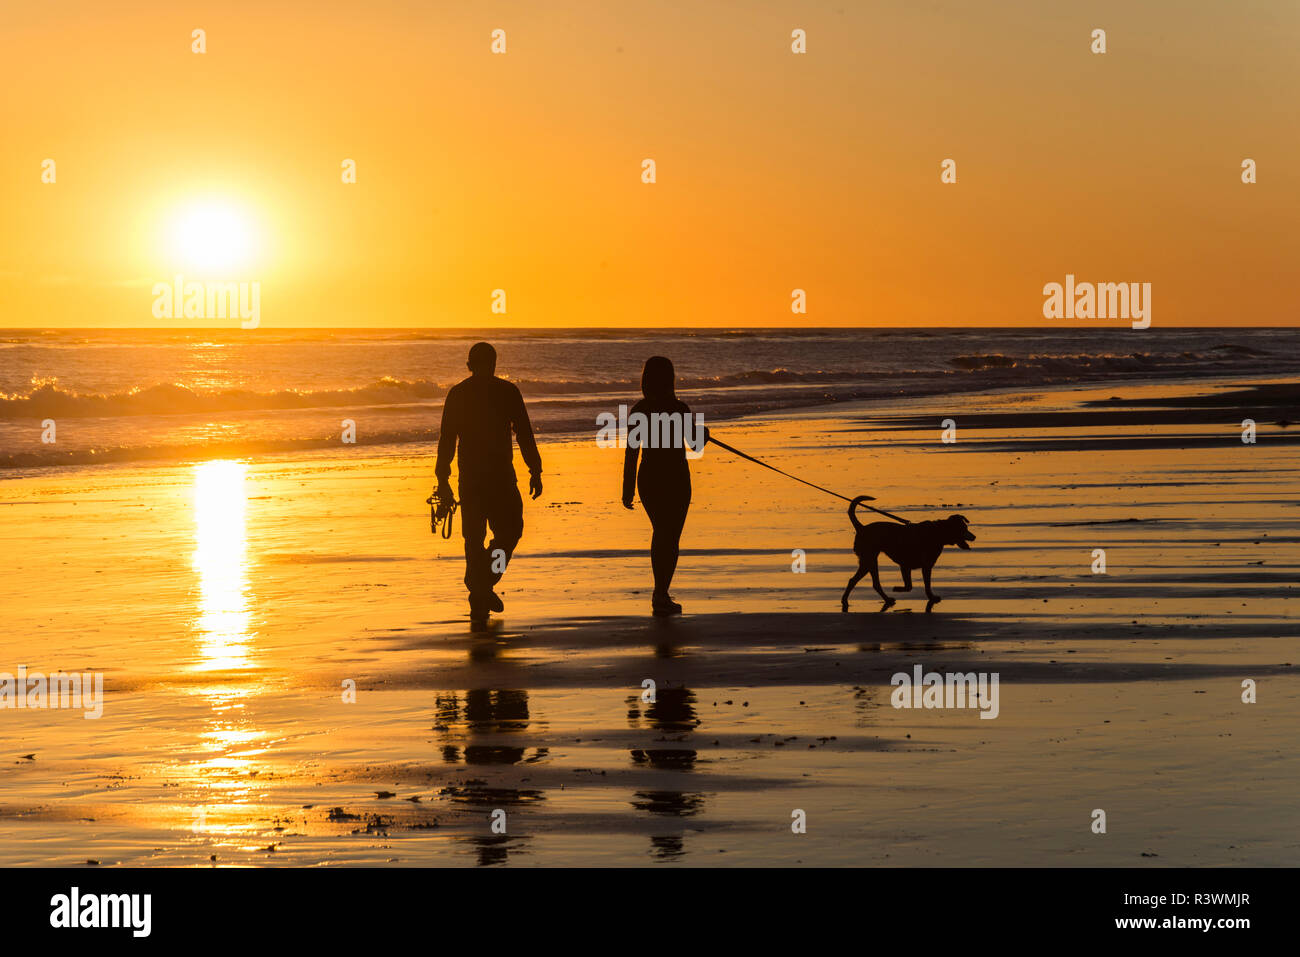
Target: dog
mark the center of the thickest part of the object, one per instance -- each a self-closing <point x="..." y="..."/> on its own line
<point x="916" y="545"/>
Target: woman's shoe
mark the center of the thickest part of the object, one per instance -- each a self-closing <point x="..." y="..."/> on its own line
<point x="664" y="605"/>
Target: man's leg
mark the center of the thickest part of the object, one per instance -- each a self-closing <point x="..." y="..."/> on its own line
<point x="506" y="516"/>
<point x="473" y="526"/>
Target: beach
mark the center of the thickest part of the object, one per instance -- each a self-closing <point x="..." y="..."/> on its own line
<point x="289" y="678"/>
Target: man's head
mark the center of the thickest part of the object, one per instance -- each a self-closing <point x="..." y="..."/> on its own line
<point x="482" y="359"/>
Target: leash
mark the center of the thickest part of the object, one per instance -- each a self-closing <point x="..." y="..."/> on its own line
<point x="441" y="513"/>
<point x="751" y="458"/>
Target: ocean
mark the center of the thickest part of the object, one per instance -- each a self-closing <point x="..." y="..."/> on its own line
<point x="153" y="394"/>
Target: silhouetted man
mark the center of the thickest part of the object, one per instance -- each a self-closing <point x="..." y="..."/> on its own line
<point x="477" y="419"/>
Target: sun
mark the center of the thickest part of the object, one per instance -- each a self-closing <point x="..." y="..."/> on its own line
<point x="212" y="235"/>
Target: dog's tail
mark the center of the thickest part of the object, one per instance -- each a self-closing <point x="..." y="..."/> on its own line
<point x="853" y="507"/>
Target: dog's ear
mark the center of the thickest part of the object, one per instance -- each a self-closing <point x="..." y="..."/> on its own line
<point x="964" y="535"/>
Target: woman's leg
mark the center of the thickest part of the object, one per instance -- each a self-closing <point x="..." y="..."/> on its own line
<point x="667" y="518"/>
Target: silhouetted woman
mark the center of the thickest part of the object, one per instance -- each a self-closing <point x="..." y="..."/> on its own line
<point x="664" y="481"/>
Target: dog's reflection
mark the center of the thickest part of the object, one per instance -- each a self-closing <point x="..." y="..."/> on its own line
<point x="888" y="603"/>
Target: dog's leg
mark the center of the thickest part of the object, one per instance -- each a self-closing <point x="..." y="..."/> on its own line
<point x="875" y="580"/>
<point x="853" y="581"/>
<point x="925" y="574"/>
<point x="907" y="579"/>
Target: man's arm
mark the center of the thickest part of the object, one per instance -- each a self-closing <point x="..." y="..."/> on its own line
<point x="527" y="443"/>
<point x="524" y="433"/>
<point x="448" y="432"/>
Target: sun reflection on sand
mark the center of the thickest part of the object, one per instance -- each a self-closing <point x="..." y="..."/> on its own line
<point x="231" y="752"/>
<point x="220" y="561"/>
<point x="227" y="769"/>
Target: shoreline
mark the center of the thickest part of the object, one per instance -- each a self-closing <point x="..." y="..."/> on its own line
<point x="1191" y="414"/>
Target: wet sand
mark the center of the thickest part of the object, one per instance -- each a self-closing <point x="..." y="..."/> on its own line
<point x="230" y="604"/>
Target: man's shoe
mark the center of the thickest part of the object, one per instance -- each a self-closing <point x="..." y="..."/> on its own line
<point x="478" y="613"/>
<point x="495" y="602"/>
<point x="664" y="605"/>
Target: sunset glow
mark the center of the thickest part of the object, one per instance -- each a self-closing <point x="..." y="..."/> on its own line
<point x="211" y="236"/>
<point x="476" y="172"/>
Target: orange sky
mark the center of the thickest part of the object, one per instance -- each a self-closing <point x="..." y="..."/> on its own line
<point x="775" y="171"/>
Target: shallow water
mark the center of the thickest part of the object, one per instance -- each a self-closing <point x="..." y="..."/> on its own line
<point x="159" y="395"/>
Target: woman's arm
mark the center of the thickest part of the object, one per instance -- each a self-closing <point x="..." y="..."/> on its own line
<point x="700" y="435"/>
<point x="629" y="474"/>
